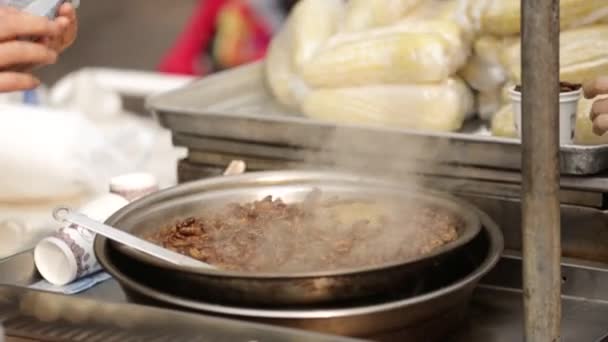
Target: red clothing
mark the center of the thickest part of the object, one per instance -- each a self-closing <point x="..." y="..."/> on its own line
<point x="220" y="34"/>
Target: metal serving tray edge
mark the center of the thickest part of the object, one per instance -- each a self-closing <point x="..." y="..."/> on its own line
<point x="236" y="105"/>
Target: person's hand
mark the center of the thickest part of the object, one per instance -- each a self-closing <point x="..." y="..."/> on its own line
<point x="18" y="55"/>
<point x="599" y="110"/>
<point x="68" y="26"/>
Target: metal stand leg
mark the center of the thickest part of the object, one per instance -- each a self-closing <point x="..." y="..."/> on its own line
<point x="541" y="212"/>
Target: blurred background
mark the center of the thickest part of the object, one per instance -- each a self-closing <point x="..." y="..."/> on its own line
<point x="133" y="34"/>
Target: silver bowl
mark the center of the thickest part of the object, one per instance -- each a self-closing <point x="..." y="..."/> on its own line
<point x="281" y="289"/>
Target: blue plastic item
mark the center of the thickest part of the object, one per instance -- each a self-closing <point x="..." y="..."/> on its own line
<point x="44" y="8"/>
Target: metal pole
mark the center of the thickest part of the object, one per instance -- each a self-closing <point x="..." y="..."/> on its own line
<point x="540" y="168"/>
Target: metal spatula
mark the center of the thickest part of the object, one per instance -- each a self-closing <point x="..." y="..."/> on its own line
<point x="65" y="214"/>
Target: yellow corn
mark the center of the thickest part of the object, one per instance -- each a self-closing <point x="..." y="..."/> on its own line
<point x="503" y="124"/>
<point x="403" y="53"/>
<point x="278" y="69"/>
<point x="483" y="76"/>
<point x="314" y="22"/>
<point x="492" y="49"/>
<point x="488" y="103"/>
<point x="583" y="55"/>
<point x="502" y="17"/>
<point x="366" y="14"/>
<point x="436" y="107"/>
<point x="436" y="10"/>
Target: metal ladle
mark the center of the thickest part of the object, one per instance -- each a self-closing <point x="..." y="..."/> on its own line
<point x="65" y="214"/>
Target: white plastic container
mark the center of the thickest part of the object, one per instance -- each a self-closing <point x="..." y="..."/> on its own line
<point x="568" y="106"/>
<point x="68" y="254"/>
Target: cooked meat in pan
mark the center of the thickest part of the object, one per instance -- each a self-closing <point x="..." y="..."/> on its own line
<point x="313" y="235"/>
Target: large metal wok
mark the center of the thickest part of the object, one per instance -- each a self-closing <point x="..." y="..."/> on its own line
<point x="430" y="316"/>
<point x="273" y="289"/>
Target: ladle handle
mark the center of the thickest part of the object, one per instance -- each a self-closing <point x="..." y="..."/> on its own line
<point x="67" y="215"/>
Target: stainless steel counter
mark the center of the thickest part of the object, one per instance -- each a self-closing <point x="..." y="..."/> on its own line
<point x="496" y="312"/>
<point x="496" y="315"/>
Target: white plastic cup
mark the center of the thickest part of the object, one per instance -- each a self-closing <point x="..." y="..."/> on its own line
<point x="68" y="254"/>
<point x="568" y="107"/>
<point x="134" y="185"/>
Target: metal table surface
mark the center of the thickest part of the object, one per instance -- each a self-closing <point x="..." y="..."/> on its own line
<point x="496" y="315"/>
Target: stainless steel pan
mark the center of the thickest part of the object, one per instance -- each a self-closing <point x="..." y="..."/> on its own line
<point x="430" y="316"/>
<point x="278" y="289"/>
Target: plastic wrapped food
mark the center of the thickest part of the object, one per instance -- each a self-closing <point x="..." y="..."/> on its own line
<point x="488" y="103"/>
<point x="366" y="14"/>
<point x="313" y="23"/>
<point x="433" y="107"/>
<point x="503" y="124"/>
<point x="453" y="10"/>
<point x="279" y="72"/>
<point x="485" y="71"/>
<point x="502" y="17"/>
<point x="583" y="55"/>
<point x="408" y="52"/>
<point x="483" y="76"/>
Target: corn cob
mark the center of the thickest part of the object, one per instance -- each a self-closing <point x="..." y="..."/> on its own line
<point x="583" y="55"/>
<point x="314" y="22"/>
<point x="436" y="107"/>
<point x="445" y="10"/>
<point x="366" y="14"/>
<point x="503" y="124"/>
<point x="406" y="52"/>
<point x="502" y="17"/>
<point x="483" y="76"/>
<point x="435" y="10"/>
<point x="278" y="68"/>
<point x="488" y="103"/>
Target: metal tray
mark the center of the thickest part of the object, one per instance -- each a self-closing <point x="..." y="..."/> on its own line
<point x="40" y="316"/>
<point x="495" y="314"/>
<point x="235" y="105"/>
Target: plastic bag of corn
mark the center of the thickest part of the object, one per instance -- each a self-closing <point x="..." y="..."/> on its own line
<point x="488" y="103"/>
<point x="407" y="52"/>
<point x="313" y="22"/>
<point x="583" y="55"/>
<point x="502" y="17"/>
<point x="503" y="124"/>
<point x="281" y="79"/>
<point x="433" y="107"/>
<point x="485" y="71"/>
<point x="366" y="14"/>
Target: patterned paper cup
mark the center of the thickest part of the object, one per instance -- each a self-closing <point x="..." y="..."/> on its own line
<point x="68" y="254"/>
